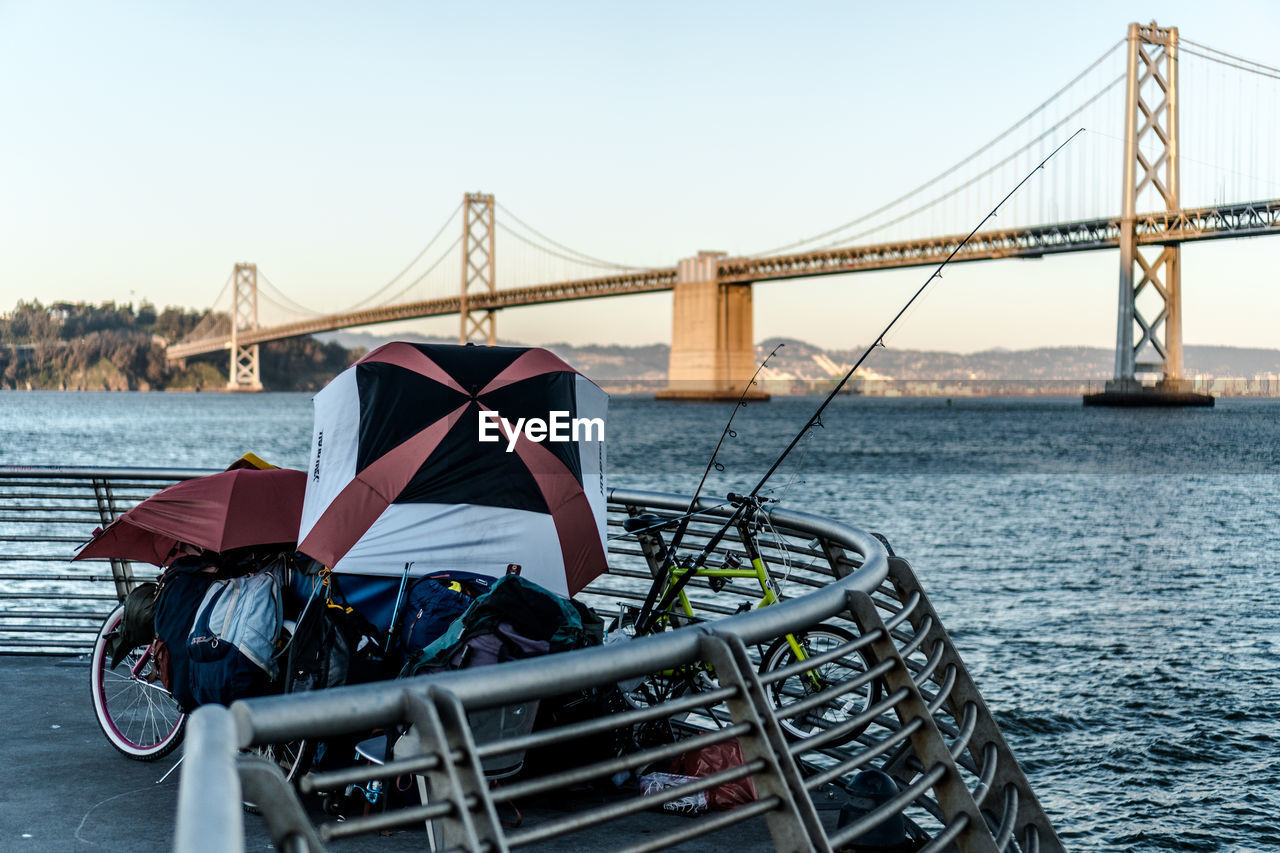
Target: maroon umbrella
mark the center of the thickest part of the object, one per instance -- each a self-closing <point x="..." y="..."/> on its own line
<point x="231" y="509"/>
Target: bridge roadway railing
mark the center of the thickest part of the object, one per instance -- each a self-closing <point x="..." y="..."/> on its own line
<point x="49" y="605"/>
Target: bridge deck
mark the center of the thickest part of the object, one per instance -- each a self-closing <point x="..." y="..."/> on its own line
<point x="1249" y="219"/>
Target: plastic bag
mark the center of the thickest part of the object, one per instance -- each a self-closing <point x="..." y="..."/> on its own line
<point x="689" y="804"/>
<point x="713" y="759"/>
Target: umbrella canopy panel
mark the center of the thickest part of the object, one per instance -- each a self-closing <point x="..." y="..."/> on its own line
<point x="400" y="474"/>
<point x="231" y="509"/>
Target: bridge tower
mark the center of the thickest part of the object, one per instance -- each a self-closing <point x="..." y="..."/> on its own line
<point x="712" y="348"/>
<point x="1150" y="306"/>
<point x="246" y="374"/>
<point x="477" y="268"/>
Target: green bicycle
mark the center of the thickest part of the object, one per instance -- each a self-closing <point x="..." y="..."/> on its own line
<point x="668" y="606"/>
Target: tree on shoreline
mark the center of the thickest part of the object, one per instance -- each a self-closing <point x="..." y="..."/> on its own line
<point x="80" y="346"/>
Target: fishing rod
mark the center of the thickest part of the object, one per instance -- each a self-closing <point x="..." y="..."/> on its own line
<point x="727" y="432"/>
<point x="742" y="502"/>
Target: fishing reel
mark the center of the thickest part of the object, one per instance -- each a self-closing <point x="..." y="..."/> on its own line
<point x="755" y="501"/>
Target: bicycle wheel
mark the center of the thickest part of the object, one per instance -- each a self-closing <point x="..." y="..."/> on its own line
<point x="293" y="759"/>
<point x="840" y="708"/>
<point x="137" y="714"/>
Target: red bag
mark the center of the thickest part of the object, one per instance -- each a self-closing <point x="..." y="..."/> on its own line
<point x="712" y="759"/>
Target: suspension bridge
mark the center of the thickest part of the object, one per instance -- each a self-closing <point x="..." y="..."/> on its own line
<point x="1191" y="126"/>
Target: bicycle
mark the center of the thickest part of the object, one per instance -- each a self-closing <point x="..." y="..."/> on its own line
<point x="668" y="606"/>
<point x="138" y="713"/>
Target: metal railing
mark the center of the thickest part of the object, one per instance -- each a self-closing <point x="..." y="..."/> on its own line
<point x="49" y="605"/>
<point x="957" y="784"/>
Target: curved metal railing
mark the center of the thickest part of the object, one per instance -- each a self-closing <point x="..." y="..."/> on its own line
<point x="956" y="785"/>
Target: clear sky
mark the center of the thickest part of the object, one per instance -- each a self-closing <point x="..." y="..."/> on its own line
<point x="148" y="146"/>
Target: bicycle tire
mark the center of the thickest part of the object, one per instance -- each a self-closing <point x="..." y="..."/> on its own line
<point x="139" y="717"/>
<point x="293" y="759"/>
<point x="815" y="641"/>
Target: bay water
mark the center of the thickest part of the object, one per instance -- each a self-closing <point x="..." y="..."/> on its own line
<point x="1111" y="577"/>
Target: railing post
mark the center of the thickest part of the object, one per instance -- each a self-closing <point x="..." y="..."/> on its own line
<point x="794" y="825"/>
<point x="987" y="743"/>
<point x="927" y="743"/>
<point x="441" y="728"/>
<point x="121" y="570"/>
<point x="210" y="816"/>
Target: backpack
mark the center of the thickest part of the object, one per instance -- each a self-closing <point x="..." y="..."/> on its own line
<point x="182" y="588"/>
<point x="430" y="608"/>
<point x="138" y="623"/>
<point x="232" y="645"/>
<point x="515" y="619"/>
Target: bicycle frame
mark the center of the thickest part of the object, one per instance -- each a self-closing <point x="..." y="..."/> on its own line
<point x="675" y="578"/>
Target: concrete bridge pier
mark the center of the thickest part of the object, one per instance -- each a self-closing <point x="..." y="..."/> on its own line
<point x="712" y="350"/>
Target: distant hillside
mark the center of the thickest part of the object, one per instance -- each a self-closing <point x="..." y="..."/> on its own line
<point x="76" y="346"/>
<point x="803" y="361"/>
<point x="602" y="363"/>
<point x="82" y="347"/>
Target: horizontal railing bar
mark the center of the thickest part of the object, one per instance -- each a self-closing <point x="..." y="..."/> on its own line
<point x="1005" y="833"/>
<point x="58" y="578"/>
<point x="827" y="695"/>
<point x="990" y="762"/>
<point x="865" y="756"/>
<point x="838" y="653"/>
<point x="944" y="689"/>
<point x="83" y="521"/>
<point x="707" y="824"/>
<point x="942" y="841"/>
<point x="602" y="814"/>
<point x="578" y="775"/>
<point x="44" y="629"/>
<point x="35" y="558"/>
<point x="903" y="611"/>
<point x="36" y="539"/>
<point x="852" y="724"/>
<point x="910" y="648"/>
<point x="967" y="725"/>
<point x="72" y="472"/>
<point x="931" y="663"/>
<point x="387" y="820"/>
<point x="889" y="808"/>
<point x="313" y="782"/>
<point x="55" y="596"/>
<point x="602" y="725"/>
<point x="54" y="614"/>
<point x="52" y="647"/>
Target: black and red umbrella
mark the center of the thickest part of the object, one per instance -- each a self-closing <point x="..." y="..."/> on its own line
<point x="401" y="470"/>
<point x="238" y="508"/>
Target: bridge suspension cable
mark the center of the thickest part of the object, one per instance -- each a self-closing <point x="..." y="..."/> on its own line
<point x="986" y="173"/>
<point x="569" y="254"/>
<point x="370" y="299"/>
<point x="205" y="328"/>
<point x="282" y="300"/>
<point x="1228" y="59"/>
<point x="392" y="300"/>
<point x="941" y="176"/>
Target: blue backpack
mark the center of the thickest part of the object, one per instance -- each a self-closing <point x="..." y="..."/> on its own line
<point x="433" y="603"/>
<point x="182" y="588"/>
<point x="232" y="645"/>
